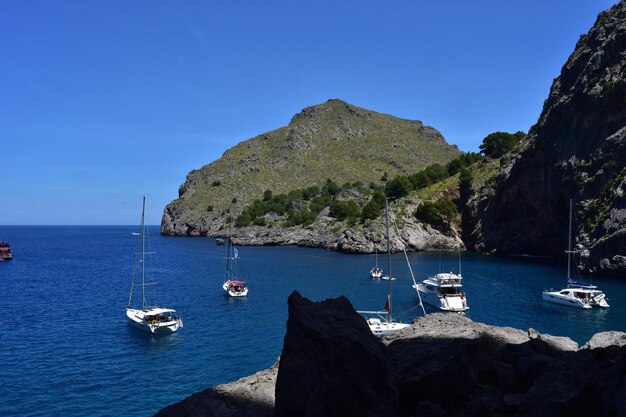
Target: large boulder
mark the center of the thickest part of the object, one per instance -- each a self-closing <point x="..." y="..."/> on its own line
<point x="331" y="364"/>
<point x="449" y="365"/>
<point x="605" y="339"/>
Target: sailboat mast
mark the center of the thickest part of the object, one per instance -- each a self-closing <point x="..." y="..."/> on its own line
<point x="229" y="259"/>
<point x="388" y="256"/>
<point x="569" y="241"/>
<point x="143" y="255"/>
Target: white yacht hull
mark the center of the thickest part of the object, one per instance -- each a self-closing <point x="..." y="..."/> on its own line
<point x="136" y="318"/>
<point x="557" y="298"/>
<point x="567" y="297"/>
<point x="232" y="292"/>
<point x="452" y="303"/>
<point x="382" y="328"/>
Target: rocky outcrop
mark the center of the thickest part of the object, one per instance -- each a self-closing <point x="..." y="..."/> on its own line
<point x="252" y="396"/>
<point x="331" y="364"/>
<point x="444" y="365"/>
<point x="606" y="339"/>
<point x="576" y="150"/>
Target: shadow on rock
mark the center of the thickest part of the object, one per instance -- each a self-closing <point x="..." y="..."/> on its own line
<point x="331" y="364"/>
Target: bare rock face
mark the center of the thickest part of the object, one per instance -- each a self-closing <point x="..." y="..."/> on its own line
<point x="331" y="364"/>
<point x="448" y="365"/>
<point x="576" y="150"/>
<point x="606" y="339"/>
<point x="564" y="344"/>
<point x="413" y="236"/>
<point x="252" y="396"/>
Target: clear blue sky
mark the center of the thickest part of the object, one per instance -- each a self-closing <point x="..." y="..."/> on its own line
<point x="103" y="102"/>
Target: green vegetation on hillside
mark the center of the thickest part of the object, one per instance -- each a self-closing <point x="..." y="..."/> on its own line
<point x="302" y="206"/>
<point x="439" y="213"/>
<point x="498" y="143"/>
<point x="400" y="186"/>
<point x="332" y="140"/>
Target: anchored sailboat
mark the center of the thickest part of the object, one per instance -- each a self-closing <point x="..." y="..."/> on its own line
<point x="384" y="324"/>
<point x="234" y="287"/>
<point x="154" y="320"/>
<point x="376" y="272"/>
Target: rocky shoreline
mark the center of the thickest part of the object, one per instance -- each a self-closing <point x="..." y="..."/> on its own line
<point x="327" y="233"/>
<point x="443" y="365"/>
<point x="418" y="238"/>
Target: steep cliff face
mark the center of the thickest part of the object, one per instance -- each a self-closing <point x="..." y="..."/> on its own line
<point x="576" y="150"/>
<point x="333" y="140"/>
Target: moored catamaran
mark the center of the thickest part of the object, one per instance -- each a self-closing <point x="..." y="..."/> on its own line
<point x="577" y="293"/>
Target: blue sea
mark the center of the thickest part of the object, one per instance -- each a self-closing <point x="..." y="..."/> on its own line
<point x="68" y="351"/>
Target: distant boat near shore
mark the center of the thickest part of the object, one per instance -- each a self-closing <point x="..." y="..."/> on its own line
<point x="384" y="325"/>
<point x="233" y="286"/>
<point x="5" y="251"/>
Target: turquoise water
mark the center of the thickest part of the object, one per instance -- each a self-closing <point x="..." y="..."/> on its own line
<point x="67" y="350"/>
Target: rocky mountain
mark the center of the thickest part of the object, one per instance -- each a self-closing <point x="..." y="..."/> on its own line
<point x="576" y="150"/>
<point x="333" y="140"/>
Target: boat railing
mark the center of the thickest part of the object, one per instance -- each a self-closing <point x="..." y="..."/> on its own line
<point x="581" y="284"/>
<point x="383" y="314"/>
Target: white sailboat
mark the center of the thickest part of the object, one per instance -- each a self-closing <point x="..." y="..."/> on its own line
<point x="234" y="287"/>
<point x="376" y="272"/>
<point x="383" y="324"/>
<point x="576" y="294"/>
<point x="154" y="320"/>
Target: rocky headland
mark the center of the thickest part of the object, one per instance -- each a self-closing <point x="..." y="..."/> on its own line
<point x="333" y="140"/>
<point x="443" y="365"/>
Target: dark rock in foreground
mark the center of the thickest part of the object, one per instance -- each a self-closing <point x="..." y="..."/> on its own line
<point x="444" y="365"/>
<point x="331" y="364"/>
<point x="447" y="365"/>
